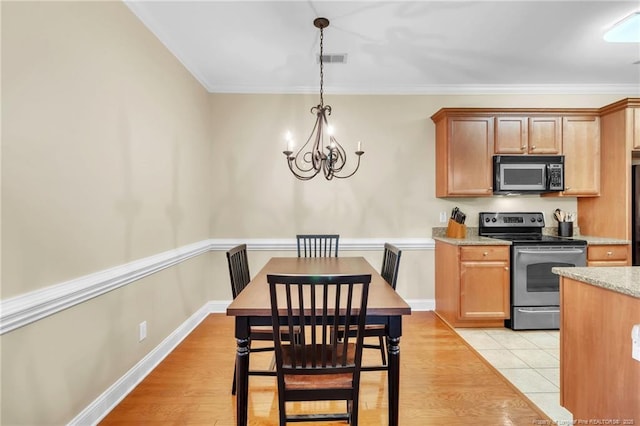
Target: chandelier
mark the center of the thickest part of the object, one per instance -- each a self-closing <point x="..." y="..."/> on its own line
<point x="321" y="152"/>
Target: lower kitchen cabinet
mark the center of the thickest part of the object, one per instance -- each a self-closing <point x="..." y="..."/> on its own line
<point x="608" y="255"/>
<point x="472" y="284"/>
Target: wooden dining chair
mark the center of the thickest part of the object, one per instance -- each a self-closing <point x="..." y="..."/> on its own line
<point x="318" y="366"/>
<point x="317" y="245"/>
<point x="389" y="271"/>
<point x="240" y="277"/>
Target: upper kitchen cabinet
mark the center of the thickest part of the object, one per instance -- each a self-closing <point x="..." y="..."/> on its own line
<point x="512" y="135"/>
<point x="581" y="149"/>
<point x="545" y="135"/>
<point x="464" y="151"/>
<point x="528" y="135"/>
<point x="609" y="215"/>
<point x="467" y="139"/>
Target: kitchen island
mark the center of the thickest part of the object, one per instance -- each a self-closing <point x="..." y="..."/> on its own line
<point x="599" y="379"/>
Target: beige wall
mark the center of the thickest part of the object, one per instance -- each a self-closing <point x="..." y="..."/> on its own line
<point x="106" y="147"/>
<point x="112" y="152"/>
<point x="391" y="196"/>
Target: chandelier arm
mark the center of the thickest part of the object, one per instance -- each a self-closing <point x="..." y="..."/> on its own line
<point x="301" y="162"/>
<point x="353" y="172"/>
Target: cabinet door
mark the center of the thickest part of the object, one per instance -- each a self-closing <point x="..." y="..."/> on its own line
<point x="470" y="152"/>
<point x="545" y="135"/>
<point x="581" y="148"/>
<point x="484" y="290"/>
<point x="511" y="135"/>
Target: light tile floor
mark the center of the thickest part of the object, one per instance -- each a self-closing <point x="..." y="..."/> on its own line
<point x="528" y="359"/>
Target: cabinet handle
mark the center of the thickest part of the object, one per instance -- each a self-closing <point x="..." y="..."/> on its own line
<point x="506" y="268"/>
<point x="609" y="253"/>
<point x="523" y="147"/>
<point x="533" y="147"/>
<point x="485" y="253"/>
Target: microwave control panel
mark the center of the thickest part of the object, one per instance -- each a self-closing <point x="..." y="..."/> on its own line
<point x="555" y="177"/>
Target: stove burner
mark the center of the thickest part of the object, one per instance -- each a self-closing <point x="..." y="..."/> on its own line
<point x="520" y="228"/>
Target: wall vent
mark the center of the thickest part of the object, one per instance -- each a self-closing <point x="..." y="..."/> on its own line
<point x="334" y="58"/>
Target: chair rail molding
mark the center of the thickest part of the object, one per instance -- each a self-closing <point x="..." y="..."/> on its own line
<point x="24" y="309"/>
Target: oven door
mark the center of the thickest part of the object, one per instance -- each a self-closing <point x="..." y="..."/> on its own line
<point x="532" y="282"/>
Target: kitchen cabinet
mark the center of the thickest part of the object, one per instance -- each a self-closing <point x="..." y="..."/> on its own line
<point x="472" y="284"/>
<point x="512" y="135"/>
<point x="528" y="135"/>
<point x="545" y="135"/>
<point x="608" y="255"/>
<point x="581" y="149"/>
<point x="467" y="139"/>
<point x="464" y="155"/>
<point x="609" y="214"/>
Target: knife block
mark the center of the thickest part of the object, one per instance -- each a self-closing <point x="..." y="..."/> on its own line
<point x="456" y="230"/>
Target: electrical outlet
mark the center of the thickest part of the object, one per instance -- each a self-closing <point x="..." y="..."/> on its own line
<point x="443" y="217"/>
<point x="142" y="331"/>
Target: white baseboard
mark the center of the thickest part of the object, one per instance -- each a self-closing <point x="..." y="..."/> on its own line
<point x="110" y="398"/>
<point x="422" y="304"/>
<point x="106" y="402"/>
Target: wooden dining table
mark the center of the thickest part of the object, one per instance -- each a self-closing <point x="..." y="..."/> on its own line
<point x="253" y="307"/>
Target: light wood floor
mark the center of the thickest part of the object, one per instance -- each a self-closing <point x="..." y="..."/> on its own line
<point x="443" y="382"/>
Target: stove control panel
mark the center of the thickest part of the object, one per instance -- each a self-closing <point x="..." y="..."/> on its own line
<point x="511" y="219"/>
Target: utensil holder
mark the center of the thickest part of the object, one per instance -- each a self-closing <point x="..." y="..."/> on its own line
<point x="565" y="229"/>
<point x="456" y="230"/>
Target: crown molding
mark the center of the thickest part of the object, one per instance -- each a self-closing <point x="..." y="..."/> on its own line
<point x="631" y="89"/>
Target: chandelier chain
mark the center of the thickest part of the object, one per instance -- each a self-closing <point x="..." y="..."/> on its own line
<point x="321" y="67"/>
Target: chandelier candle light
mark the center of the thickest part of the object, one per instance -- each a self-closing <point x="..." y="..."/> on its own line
<point x="316" y="154"/>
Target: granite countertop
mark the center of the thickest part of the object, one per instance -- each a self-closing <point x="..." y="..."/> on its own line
<point x="601" y="240"/>
<point x="621" y="279"/>
<point x="473" y="239"/>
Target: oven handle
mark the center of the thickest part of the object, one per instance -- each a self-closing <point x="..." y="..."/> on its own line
<point x="575" y="251"/>
<point x="538" y="311"/>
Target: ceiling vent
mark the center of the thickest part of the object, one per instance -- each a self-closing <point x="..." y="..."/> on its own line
<point x="336" y="58"/>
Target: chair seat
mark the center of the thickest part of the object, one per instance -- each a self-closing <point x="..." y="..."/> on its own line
<point x="313" y="381"/>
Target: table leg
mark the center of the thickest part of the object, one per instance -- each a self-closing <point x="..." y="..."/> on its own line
<point x="393" y="375"/>
<point x="242" y="371"/>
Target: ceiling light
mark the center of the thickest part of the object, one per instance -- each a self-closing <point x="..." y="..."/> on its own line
<point x="625" y="31"/>
<point x="321" y="152"/>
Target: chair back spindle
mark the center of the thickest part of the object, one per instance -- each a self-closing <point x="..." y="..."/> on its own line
<point x="317" y="245"/>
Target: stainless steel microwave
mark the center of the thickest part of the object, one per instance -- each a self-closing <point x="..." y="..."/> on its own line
<point x="528" y="174"/>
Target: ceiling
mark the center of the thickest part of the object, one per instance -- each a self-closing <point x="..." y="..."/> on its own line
<point x="399" y="47"/>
